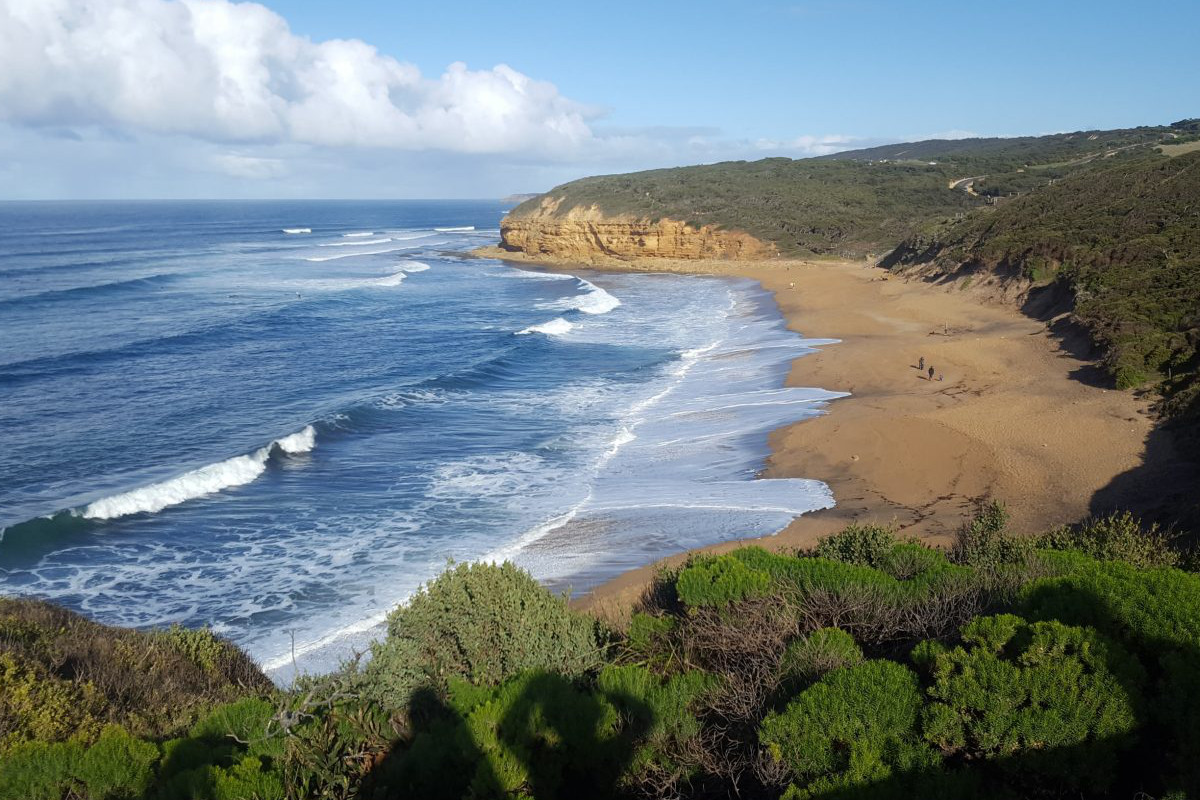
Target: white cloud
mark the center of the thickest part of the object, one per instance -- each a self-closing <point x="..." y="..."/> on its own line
<point x="234" y="72"/>
<point x="807" y="145"/>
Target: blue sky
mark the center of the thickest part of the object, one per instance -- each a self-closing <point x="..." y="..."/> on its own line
<point x="207" y="98"/>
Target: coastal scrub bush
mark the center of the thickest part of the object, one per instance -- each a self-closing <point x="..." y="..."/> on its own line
<point x="116" y="767"/>
<point x="855" y="727"/>
<point x="664" y="713"/>
<point x="1053" y="704"/>
<point x="651" y="639"/>
<point x="984" y="543"/>
<point x="865" y="545"/>
<point x="1155" y="613"/>
<point x="821" y="651"/>
<point x="480" y="622"/>
<point x="85" y="674"/>
<point x="1117" y="537"/>
<point x="720" y="581"/>
<point x="37" y="706"/>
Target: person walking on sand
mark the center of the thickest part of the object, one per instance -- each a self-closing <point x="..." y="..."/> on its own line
<point x="930" y="372"/>
<point x="921" y="363"/>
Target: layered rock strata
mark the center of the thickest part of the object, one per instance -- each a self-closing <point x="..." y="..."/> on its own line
<point x="586" y="233"/>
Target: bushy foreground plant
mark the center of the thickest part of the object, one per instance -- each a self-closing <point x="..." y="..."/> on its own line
<point x="62" y="675"/>
<point x="1053" y="704"/>
<point x="1155" y="613"/>
<point x="480" y="622"/>
<point x="1118" y="537"/>
<point x="854" y="728"/>
<point x="821" y="651"/>
<point x="214" y="762"/>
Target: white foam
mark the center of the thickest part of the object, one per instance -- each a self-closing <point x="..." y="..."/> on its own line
<point x="237" y="471"/>
<point x="594" y="300"/>
<point x="300" y="442"/>
<point x="362" y="235"/>
<point x="359" y="243"/>
<point x="395" y="279"/>
<point x="297" y="230"/>
<point x="407" y="236"/>
<point x="363" y="253"/>
<point x="414" y="266"/>
<point x="458" y="229"/>
<point x="555" y="327"/>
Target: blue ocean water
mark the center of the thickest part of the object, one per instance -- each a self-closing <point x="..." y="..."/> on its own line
<point x="280" y="418"/>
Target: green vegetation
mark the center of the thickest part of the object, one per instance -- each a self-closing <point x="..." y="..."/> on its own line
<point x="868" y="667"/>
<point x="859" y="201"/>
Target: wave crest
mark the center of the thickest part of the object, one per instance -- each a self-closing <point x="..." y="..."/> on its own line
<point x="237" y="471"/>
<point x="555" y="327"/>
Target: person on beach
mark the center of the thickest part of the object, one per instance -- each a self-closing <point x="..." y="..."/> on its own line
<point x="931" y="372"/>
<point x="921" y="363"/>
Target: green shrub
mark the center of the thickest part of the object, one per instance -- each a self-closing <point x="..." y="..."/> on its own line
<point x="821" y="651"/>
<point x="76" y="675"/>
<point x="117" y="766"/>
<point x="1117" y="537"/>
<point x="907" y="560"/>
<point x="854" y="728"/>
<point x="985" y="543"/>
<point x="663" y="712"/>
<point x="38" y="770"/>
<point x="650" y="638"/>
<point x="1052" y="703"/>
<point x="1156" y="614"/>
<point x="864" y="545"/>
<point x="483" y="623"/>
<point x="37" y="706"/>
<point x="720" y="581"/>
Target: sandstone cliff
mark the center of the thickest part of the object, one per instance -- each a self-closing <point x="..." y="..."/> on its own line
<point x="585" y="234"/>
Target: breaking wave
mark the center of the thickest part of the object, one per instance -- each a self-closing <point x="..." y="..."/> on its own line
<point x="555" y="327"/>
<point x="297" y="230"/>
<point x="207" y="480"/>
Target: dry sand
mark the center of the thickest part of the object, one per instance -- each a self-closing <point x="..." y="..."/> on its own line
<point x="1008" y="422"/>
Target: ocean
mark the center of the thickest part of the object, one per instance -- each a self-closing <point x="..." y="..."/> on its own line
<point x="279" y="419"/>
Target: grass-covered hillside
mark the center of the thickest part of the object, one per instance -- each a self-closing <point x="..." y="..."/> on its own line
<point x="1059" y="666"/>
<point x="858" y="201"/>
<point x="1120" y="241"/>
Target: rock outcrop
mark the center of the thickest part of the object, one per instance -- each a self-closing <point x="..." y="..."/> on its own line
<point x="586" y="234"/>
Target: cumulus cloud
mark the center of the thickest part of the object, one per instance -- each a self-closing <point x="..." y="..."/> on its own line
<point x="235" y="73"/>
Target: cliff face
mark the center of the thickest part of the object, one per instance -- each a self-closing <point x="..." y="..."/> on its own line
<point x="585" y="234"/>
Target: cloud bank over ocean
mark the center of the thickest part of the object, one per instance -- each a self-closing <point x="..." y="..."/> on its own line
<point x="234" y="72"/>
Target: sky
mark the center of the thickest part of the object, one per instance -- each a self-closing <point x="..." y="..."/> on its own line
<point x="371" y="99"/>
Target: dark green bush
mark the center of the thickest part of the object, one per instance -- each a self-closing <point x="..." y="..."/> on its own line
<point x="481" y="622"/>
<point x="1117" y="537"/>
<point x="1054" y="704"/>
<point x="854" y="728"/>
<point x="664" y="712"/>
<point x="1155" y="613"/>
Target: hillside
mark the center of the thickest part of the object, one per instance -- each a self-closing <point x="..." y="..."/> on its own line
<point x="851" y="203"/>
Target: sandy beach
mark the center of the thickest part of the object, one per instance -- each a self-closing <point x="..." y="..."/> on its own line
<point x="1010" y="420"/>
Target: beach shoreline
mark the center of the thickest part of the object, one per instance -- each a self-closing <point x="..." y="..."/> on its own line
<point x="1007" y="420"/>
